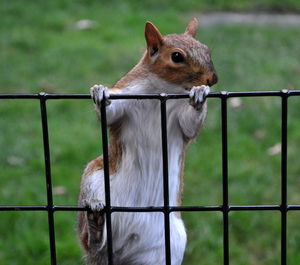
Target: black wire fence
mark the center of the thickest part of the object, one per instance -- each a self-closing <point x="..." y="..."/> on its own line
<point x="166" y="209"/>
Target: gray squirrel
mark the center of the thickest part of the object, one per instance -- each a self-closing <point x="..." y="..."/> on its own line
<point x="174" y="63"/>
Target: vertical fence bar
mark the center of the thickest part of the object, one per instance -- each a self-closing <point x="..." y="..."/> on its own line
<point x="106" y="181"/>
<point x="284" y="206"/>
<point x="225" y="178"/>
<point x="48" y="177"/>
<point x="164" y="139"/>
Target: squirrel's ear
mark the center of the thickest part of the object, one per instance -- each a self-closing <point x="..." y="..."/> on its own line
<point x="192" y="27"/>
<point x="153" y="37"/>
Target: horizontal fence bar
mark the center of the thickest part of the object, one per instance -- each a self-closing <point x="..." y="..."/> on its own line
<point x="221" y="94"/>
<point x="19" y="96"/>
<point x="23" y="208"/>
<point x="231" y="208"/>
<point x="293" y="208"/>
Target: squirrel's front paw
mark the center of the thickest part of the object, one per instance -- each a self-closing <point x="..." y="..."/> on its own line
<point x="198" y="96"/>
<point x="97" y="94"/>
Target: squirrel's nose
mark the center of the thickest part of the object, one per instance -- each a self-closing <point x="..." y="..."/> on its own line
<point x="212" y="80"/>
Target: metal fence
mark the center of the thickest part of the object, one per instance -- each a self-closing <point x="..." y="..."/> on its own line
<point x="166" y="209"/>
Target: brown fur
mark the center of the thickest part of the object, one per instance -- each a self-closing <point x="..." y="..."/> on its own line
<point x="115" y="153"/>
<point x="138" y="72"/>
<point x="194" y="71"/>
<point x="192" y="27"/>
<point x="83" y="234"/>
<point x="197" y="69"/>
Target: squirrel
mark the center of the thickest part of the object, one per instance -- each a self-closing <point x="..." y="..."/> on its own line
<point x="174" y="63"/>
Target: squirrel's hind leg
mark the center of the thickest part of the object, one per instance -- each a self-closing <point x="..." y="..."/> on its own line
<point x="96" y="230"/>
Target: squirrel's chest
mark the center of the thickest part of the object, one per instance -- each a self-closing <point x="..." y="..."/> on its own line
<point x="142" y="125"/>
<point x="141" y="161"/>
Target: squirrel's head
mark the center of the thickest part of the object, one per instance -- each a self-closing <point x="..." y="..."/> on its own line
<point x="179" y="58"/>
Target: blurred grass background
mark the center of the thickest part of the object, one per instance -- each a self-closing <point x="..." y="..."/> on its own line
<point x="42" y="49"/>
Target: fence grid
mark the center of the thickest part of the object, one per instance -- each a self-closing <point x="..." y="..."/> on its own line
<point x="166" y="209"/>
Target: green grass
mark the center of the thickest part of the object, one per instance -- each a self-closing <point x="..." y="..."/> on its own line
<point x="42" y="51"/>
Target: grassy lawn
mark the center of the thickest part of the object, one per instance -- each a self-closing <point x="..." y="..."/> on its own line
<point x="42" y="50"/>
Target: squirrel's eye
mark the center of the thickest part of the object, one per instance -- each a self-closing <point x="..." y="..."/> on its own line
<point x="177" y="57"/>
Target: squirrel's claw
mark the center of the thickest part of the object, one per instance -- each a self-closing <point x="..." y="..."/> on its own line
<point x="97" y="94"/>
<point x="198" y="96"/>
<point x="94" y="204"/>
